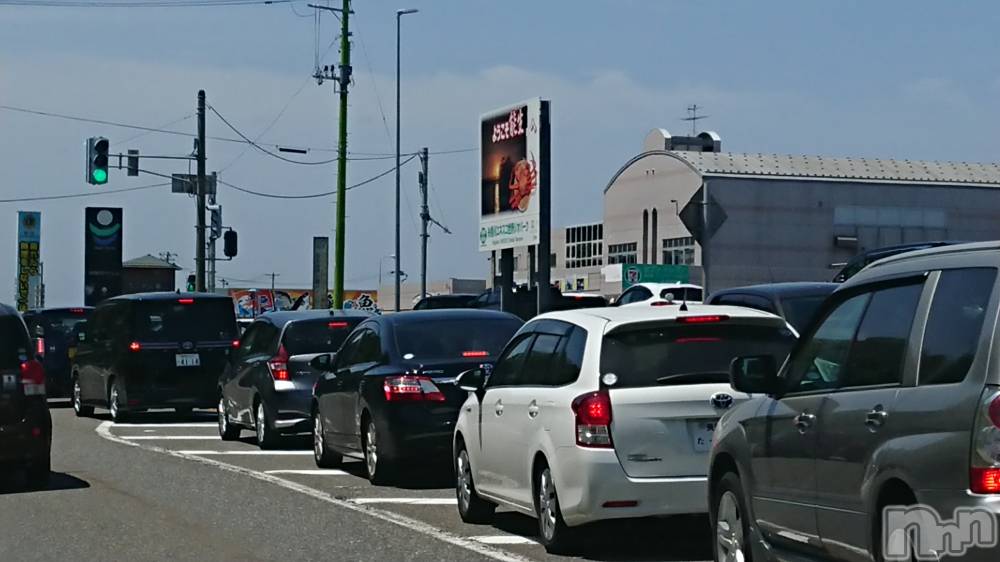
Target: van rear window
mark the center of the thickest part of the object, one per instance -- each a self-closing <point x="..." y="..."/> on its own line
<point x="14" y="345"/>
<point x="173" y="320"/>
<point x="665" y="354"/>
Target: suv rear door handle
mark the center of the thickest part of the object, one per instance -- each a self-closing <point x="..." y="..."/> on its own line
<point x="804" y="421"/>
<point x="533" y="409"/>
<point x="876" y="418"/>
<point x="498" y="408"/>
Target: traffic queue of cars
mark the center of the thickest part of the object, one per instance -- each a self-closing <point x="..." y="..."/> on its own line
<point x="792" y="445"/>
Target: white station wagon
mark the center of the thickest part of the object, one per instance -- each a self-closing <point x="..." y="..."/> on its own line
<point x="603" y="413"/>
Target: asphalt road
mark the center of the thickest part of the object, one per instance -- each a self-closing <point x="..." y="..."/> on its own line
<point x="165" y="488"/>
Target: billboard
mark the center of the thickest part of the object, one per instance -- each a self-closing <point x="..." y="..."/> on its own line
<point x="511" y="175"/>
<point x="252" y="302"/>
<point x="29" y="239"/>
<point x="102" y="254"/>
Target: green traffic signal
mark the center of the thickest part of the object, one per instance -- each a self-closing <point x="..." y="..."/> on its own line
<point x="100" y="176"/>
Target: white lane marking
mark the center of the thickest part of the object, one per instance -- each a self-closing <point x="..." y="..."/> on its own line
<point x="206" y="424"/>
<point x="318" y="472"/>
<point x="171" y="437"/>
<point x="104" y="430"/>
<point x="503" y="539"/>
<point x="246" y="452"/>
<point x="408" y="501"/>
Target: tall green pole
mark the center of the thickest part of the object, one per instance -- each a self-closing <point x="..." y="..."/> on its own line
<point x="344" y="79"/>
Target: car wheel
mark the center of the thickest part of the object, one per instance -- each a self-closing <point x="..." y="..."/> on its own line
<point x="78" y="407"/>
<point x="118" y="415"/>
<point x="900" y="500"/>
<point x="227" y="431"/>
<point x="267" y="437"/>
<point x="553" y="533"/>
<point x="37" y="475"/>
<point x="471" y="507"/>
<point x="732" y="527"/>
<point x="379" y="468"/>
<point x="324" y="457"/>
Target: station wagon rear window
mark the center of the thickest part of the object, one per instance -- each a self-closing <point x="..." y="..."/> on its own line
<point x="172" y="320"/>
<point x="667" y="355"/>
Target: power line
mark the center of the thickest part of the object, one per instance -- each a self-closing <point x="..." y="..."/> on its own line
<point x="78" y="195"/>
<point x="315" y="195"/>
<point x="264" y="150"/>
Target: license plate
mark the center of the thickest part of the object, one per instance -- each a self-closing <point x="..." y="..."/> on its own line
<point x="188" y="360"/>
<point x="701" y="435"/>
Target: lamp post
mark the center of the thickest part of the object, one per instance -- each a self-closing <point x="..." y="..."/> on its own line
<point x="399" y="15"/>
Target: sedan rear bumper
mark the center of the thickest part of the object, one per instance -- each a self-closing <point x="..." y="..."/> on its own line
<point x="591" y="482"/>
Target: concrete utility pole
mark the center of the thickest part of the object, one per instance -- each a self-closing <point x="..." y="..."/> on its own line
<point x="343" y="79"/>
<point x="399" y="16"/>
<point x="199" y="260"/>
<point x="425" y="217"/>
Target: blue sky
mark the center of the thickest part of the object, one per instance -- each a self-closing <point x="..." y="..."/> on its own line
<point x="911" y="79"/>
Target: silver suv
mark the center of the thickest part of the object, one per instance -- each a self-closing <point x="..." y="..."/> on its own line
<point x="891" y="400"/>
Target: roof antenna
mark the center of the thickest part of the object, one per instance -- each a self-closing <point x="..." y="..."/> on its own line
<point x="694" y="117"/>
<point x="684" y="305"/>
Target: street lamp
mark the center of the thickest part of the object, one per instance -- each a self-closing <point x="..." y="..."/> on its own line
<point x="399" y="15"/>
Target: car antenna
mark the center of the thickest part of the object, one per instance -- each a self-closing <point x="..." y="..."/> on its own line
<point x="684" y="305"/>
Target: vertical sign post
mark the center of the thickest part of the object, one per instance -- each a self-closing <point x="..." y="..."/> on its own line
<point x="29" y="238"/>
<point x="321" y="273"/>
<point x="102" y="254"/>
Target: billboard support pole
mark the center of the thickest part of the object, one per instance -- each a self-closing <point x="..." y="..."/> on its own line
<point x="545" y="216"/>
<point x="507" y="280"/>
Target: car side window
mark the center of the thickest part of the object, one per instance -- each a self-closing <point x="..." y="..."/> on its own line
<point x="507" y="369"/>
<point x="635" y="294"/>
<point x="568" y="360"/>
<point x="954" y="324"/>
<point x="369" y="349"/>
<point x="819" y="362"/>
<point x="96" y="332"/>
<point x="759" y="303"/>
<point x="349" y="351"/>
<point x="879" y="347"/>
<point x="729" y="300"/>
<point x="539" y="360"/>
<point x="266" y="340"/>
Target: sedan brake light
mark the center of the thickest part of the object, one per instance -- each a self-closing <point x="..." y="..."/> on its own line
<point x="475" y="354"/>
<point x="706" y="319"/>
<point x="411" y="388"/>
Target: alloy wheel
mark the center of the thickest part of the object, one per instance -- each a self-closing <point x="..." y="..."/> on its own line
<point x="77" y="399"/>
<point x="318" y="437"/>
<point x="547" y="504"/>
<point x="261" y="424"/>
<point x="371" y="449"/>
<point x="223" y="418"/>
<point x="113" y="403"/>
<point x="464" y="480"/>
<point x="729" y="530"/>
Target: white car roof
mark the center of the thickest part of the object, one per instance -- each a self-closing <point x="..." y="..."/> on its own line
<point x="657" y="287"/>
<point x="614" y="317"/>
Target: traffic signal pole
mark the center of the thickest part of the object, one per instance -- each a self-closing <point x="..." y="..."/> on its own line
<point x="199" y="260"/>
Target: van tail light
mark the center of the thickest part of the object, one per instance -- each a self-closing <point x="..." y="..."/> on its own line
<point x="40" y="346"/>
<point x="235" y="344"/>
<point x="411" y="388"/>
<point x="984" y="468"/>
<point x="593" y="420"/>
<point x="135" y="346"/>
<point x="33" y="378"/>
<point x="278" y="365"/>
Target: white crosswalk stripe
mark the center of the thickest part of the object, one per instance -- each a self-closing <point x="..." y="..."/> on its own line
<point x="167" y="425"/>
<point x="502" y="539"/>
<point x="408" y="501"/>
<point x="246" y="452"/>
<point x="171" y="437"/>
<point x="317" y="472"/>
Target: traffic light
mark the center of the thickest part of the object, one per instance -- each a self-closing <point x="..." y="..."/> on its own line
<point x="190" y="283"/>
<point x="229" y="243"/>
<point x="97" y="160"/>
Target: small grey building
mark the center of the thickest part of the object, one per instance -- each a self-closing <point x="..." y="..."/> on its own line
<point x="785" y="217"/>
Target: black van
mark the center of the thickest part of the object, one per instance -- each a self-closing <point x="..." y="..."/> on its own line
<point x="56" y="330"/>
<point x="153" y="350"/>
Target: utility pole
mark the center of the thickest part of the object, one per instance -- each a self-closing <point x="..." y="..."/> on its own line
<point x="199" y="260"/>
<point x="343" y="79"/>
<point x="425" y="217"/>
<point x="213" y="236"/>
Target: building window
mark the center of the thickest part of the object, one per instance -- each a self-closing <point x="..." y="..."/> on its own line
<point x="623" y="253"/>
<point x="583" y="245"/>
<point x="552" y="260"/>
<point x="678" y="251"/>
<point x="652" y="239"/>
<point x="645" y="236"/>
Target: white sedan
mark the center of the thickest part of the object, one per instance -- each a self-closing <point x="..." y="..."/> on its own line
<point x="603" y="413"/>
<point x="644" y="294"/>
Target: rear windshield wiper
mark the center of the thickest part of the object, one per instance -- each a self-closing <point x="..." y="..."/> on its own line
<point x="704" y="377"/>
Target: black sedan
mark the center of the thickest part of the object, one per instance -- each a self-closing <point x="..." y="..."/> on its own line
<point x="797" y="303"/>
<point x="269" y="382"/>
<point x="389" y="395"/>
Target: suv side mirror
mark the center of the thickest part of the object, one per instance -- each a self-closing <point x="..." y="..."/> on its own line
<point x="323" y="362"/>
<point x="756" y="374"/>
<point x="473" y="380"/>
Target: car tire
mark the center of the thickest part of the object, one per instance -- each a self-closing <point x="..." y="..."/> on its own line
<point x="731" y="522"/>
<point x="900" y="499"/>
<point x="380" y="470"/>
<point x="37" y="475"/>
<point x="324" y="457"/>
<point x="227" y="430"/>
<point x="267" y="437"/>
<point x="118" y="415"/>
<point x="471" y="508"/>
<point x="79" y="409"/>
<point x="553" y="533"/>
